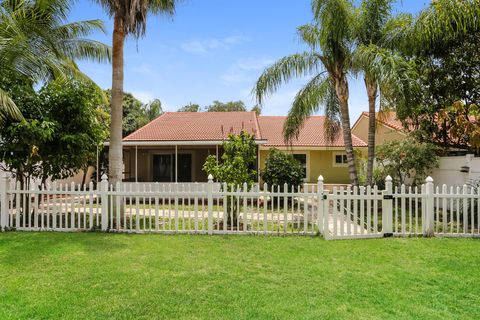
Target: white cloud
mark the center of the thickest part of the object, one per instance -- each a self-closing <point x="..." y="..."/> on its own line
<point x="236" y="39"/>
<point x="245" y="70"/>
<point x="203" y="46"/>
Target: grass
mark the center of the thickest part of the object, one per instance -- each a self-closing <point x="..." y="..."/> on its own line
<point x="119" y="276"/>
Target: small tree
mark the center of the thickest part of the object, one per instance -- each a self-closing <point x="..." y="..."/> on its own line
<point x="236" y="166"/>
<point x="281" y="168"/>
<point x="407" y="159"/>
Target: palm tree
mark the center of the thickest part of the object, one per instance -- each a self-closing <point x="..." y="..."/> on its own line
<point x="129" y="18"/>
<point x="38" y="43"/>
<point x="332" y="34"/>
<point x="371" y="19"/>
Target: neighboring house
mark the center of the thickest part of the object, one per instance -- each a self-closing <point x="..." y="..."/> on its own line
<point x="457" y="168"/>
<point x="388" y="127"/>
<point x="187" y="138"/>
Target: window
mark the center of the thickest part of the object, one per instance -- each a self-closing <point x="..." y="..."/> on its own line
<point x="302" y="158"/>
<point x="340" y="160"/>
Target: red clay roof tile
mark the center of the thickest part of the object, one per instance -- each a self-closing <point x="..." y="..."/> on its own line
<point x="311" y="134"/>
<point x="214" y="126"/>
<point x="196" y="126"/>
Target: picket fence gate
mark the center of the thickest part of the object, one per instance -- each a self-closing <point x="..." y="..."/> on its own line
<point x="211" y="208"/>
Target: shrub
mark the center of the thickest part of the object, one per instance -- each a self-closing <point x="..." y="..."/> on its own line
<point x="407" y="160"/>
<point x="281" y="168"/>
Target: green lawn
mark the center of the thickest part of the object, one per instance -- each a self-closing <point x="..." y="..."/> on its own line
<point x="119" y="276"/>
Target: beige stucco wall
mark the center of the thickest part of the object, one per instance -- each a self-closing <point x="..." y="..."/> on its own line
<point x="382" y="133"/>
<point x="319" y="162"/>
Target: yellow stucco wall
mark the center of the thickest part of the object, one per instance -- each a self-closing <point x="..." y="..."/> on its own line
<point x="319" y="162"/>
<point x="382" y="133"/>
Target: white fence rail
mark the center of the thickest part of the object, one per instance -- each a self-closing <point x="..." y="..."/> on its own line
<point x="210" y="208"/>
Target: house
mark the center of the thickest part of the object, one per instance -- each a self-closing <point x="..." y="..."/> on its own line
<point x="457" y="167"/>
<point x="388" y="127"/>
<point x="174" y="146"/>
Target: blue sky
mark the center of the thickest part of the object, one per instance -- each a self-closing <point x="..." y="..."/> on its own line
<point x="215" y="50"/>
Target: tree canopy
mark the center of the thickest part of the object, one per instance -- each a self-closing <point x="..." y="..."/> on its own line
<point x="136" y="114"/>
<point x="62" y="128"/>
<point x="37" y="42"/>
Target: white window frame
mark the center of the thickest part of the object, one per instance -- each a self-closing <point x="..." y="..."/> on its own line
<point x="334" y="161"/>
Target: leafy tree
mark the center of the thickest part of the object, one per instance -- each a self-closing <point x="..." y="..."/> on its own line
<point x="281" y="168"/>
<point x="129" y="19"/>
<point x="81" y="127"/>
<point x="236" y="165"/>
<point x="153" y="109"/>
<point x="330" y="39"/>
<point x="450" y="76"/>
<point x="463" y="123"/>
<point x="407" y="160"/>
<point x="135" y="113"/>
<point x="59" y="135"/>
<point x="442" y="41"/>
<point x="35" y="42"/>
<point x="191" y="107"/>
<point x="218" y="106"/>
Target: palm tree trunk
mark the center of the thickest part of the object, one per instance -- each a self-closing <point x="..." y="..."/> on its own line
<point x="371" y="86"/>
<point x="341" y="88"/>
<point x="115" y="157"/>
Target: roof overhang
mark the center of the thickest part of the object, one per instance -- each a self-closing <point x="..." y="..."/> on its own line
<point x="132" y="143"/>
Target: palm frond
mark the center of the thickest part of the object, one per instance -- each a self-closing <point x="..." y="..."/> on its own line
<point x="8" y="109"/>
<point x="133" y="13"/>
<point x="317" y="93"/>
<point x="296" y="65"/>
<point x="391" y="70"/>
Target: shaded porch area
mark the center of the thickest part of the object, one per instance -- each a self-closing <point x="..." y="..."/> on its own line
<point x="167" y="163"/>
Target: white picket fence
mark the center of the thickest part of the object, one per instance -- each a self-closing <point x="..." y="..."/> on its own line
<point x="210" y="208"/>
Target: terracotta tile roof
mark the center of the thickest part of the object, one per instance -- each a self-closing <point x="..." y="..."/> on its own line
<point x="388" y="118"/>
<point x="198" y="126"/>
<point x="311" y="135"/>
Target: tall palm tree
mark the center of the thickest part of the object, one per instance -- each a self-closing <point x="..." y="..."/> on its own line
<point x="370" y="23"/>
<point x="129" y="19"/>
<point x="330" y="39"/>
<point x="36" y="41"/>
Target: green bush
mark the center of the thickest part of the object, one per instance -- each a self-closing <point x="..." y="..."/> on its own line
<point x="281" y="168"/>
<point x="407" y="160"/>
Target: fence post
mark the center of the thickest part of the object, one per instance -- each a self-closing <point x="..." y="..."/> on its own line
<point x="210" y="203"/>
<point x="3" y="201"/>
<point x="428" y="224"/>
<point x="320" y="205"/>
<point x="387" y="208"/>
<point x="104" y="199"/>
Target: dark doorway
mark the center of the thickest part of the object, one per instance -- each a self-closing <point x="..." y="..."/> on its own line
<point x="184" y="173"/>
<point x="164" y="167"/>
